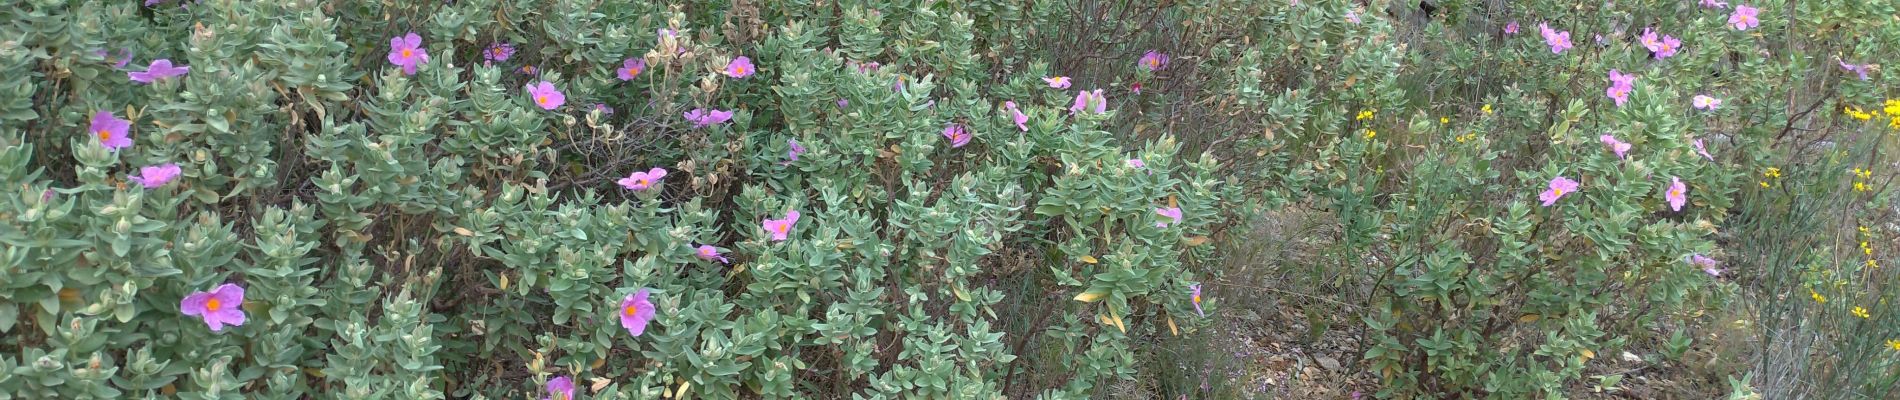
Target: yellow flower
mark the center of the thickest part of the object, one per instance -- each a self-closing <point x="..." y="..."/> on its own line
<point x="1895" y="123"/>
<point x="1764" y="184"/>
<point x="1444" y="120"/>
<point x="1892" y="107"/>
<point x="1860" y="186"/>
<point x="1863" y="229"/>
<point x="1772" y="172"/>
<point x="1818" y="298"/>
<point x="1364" y="115"/>
<point x="1860" y="312"/>
<point x="1872" y="264"/>
<point x="1486" y="109"/>
<point x="1856" y="112"/>
<point x="1894" y="343"/>
<point x="1370" y="133"/>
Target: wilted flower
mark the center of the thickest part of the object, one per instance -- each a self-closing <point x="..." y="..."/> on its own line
<point x="218" y="307"/>
<point x="110" y="130"/>
<point x="702" y="117"/>
<point x="1708" y="264"/>
<point x="630" y="68"/>
<point x="160" y="69"/>
<point x="1136" y="163"/>
<point x="1860" y="70"/>
<point x="739" y="68"/>
<point x="1617" y="146"/>
<point x="1707" y="103"/>
<point x="1194" y="296"/>
<point x="1060" y="82"/>
<point x="1663" y="46"/>
<point x="957" y="135"/>
<point x="1135" y="87"/>
<point x="125" y="56"/>
<point x="1510" y="28"/>
<point x="1352" y="16"/>
<point x="1744" y="17"/>
<point x="406" y="51"/>
<point x="1087" y="100"/>
<point x="498" y="51"/>
<point x="793" y="154"/>
<point x="1559" y="187"/>
<point x="1153" y="60"/>
<point x="1170" y="212"/>
<point x="1677" y="194"/>
<point x="1699" y="149"/>
<point x="153" y="176"/>
<point x="641" y="180"/>
<point x="1714" y="4"/>
<point x="561" y="388"/>
<point x="530" y="70"/>
<point x="781" y="228"/>
<point x="1558" y="40"/>
<point x="635" y="312"/>
<point x="709" y="253"/>
<point x="603" y="109"/>
<point x="1620" y="87"/>
<point x="546" y="96"/>
<point x="1021" y="119"/>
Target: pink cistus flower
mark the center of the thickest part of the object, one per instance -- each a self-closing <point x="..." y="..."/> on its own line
<point x="546" y="96"/>
<point x="1091" y="101"/>
<point x="560" y="388"/>
<point x="1059" y="82"/>
<point x="709" y="253"/>
<point x="219" y="307"/>
<point x="642" y="180"/>
<point x="1744" y="17"/>
<point x="160" y="69"/>
<point x="1677" y="195"/>
<point x="530" y="70"/>
<point x="703" y="117"/>
<point x="1856" y="69"/>
<point x="1559" y="187"/>
<point x="1708" y="264"/>
<point x="1194" y="296"/>
<point x="154" y="176"/>
<point x="635" y="312"/>
<point x="796" y="150"/>
<point x="1510" y="28"/>
<point x="1021" y="119"/>
<point x="406" y="51"/>
<point x="957" y="134"/>
<point x="1663" y="46"/>
<point x="1617" y="146"/>
<point x="1558" y="40"/>
<point x="498" y="51"/>
<point x="1620" y="87"/>
<point x="1704" y="151"/>
<point x="1153" y="60"/>
<point x="1714" y="4"/>
<point x="603" y="108"/>
<point x="739" y="68"/>
<point x="110" y="130"/>
<point x="630" y="68"/>
<point x="1173" y="213"/>
<point x="1136" y="163"/>
<point x="781" y="228"/>
<point x="1704" y="102"/>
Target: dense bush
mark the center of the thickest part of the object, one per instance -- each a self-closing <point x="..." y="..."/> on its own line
<point x="890" y="199"/>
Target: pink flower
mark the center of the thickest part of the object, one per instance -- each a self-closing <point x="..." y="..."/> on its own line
<point x="1154" y="61"/>
<point x="957" y="135"/>
<point x="1617" y="146"/>
<point x="1701" y="150"/>
<point x="1714" y="4"/>
<point x="793" y="154"/>
<point x="561" y="388"/>
<point x="1558" y="40"/>
<point x="1708" y="264"/>
<point x="1093" y="101"/>
<point x="160" y="69"/>
<point x="1857" y="69"/>
<point x="153" y="176"/>
<point x="530" y="70"/>
<point x="630" y="68"/>
<point x="218" y="307"/>
<point x="640" y="181"/>
<point x="1060" y="82"/>
<point x="635" y="312"/>
<point x="1510" y="28"/>
<point x="709" y="253"/>
<point x="1170" y="212"/>
<point x="603" y="109"/>
<point x="1677" y="194"/>
<point x="1135" y="87"/>
<point x="1744" y="17"/>
<point x="498" y="51"/>
<point x="546" y="96"/>
<point x="740" y="68"/>
<point x="1620" y="87"/>
<point x="407" y="52"/>
<point x="1559" y="187"/>
<point x="1352" y="16"/>
<point x="1662" y="46"/>
<point x="781" y="228"/>
<point x="111" y="131"/>
<point x="1021" y="119"/>
<point x="1194" y="296"/>
<point x="1706" y="103"/>
<point x="1136" y="163"/>
<point x="702" y="117"/>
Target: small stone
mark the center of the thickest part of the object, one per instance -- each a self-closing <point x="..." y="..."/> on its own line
<point x="1329" y="362"/>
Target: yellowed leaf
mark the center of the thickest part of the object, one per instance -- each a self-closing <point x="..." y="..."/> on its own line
<point x="504" y="283"/>
<point x="1587" y="354"/>
<point x="464" y="231"/>
<point x="599" y="383"/>
<point x="1194" y="241"/>
<point x="1089" y="259"/>
<point x="1088" y="297"/>
<point x="1529" y="318"/>
<point x="597" y="363"/>
<point x="1172" y="330"/>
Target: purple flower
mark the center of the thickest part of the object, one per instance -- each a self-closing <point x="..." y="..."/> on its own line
<point x="630" y="68"/>
<point x="560" y="388"/>
<point x="406" y="51"/>
<point x="1135" y="87"/>
<point x="110" y="130"/>
<point x="546" y="96"/>
<point x="1154" y="61"/>
<point x="1060" y="82"/>
<point x="1744" y="17"/>
<point x="1714" y="4"/>
<point x="640" y="181"/>
<point x="780" y="229"/>
<point x="603" y="109"/>
<point x="530" y="70"/>
<point x="635" y="313"/>
<point x="702" y="117"/>
<point x="1617" y="146"/>
<point x="499" y="51"/>
<point x="1559" y="187"/>
<point x="1620" y="87"/>
<point x="125" y="56"/>
<point x="1705" y="102"/>
<point x="739" y="68"/>
<point x="1677" y="195"/>
<point x="1857" y="69"/>
<point x="1663" y="46"/>
<point x="1086" y="100"/>
<point x="1136" y="163"/>
<point x="1708" y="264"/>
<point x="160" y="69"/>
<point x="1558" y="40"/>
<point x="1510" y="28"/>
<point x="218" y="307"/>
<point x="709" y="253"/>
<point x="793" y="154"/>
<point x="842" y="103"/>
<point x="957" y="135"/>
<point x="1194" y="296"/>
<point x="1021" y="119"/>
<point x="153" y="176"/>
<point x="1170" y="212"/>
<point x="1701" y="150"/>
<point x="1352" y="16"/>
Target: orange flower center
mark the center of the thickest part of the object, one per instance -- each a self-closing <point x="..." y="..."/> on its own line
<point x="1677" y="193"/>
<point x="104" y="135"/>
<point x="406" y="53"/>
<point x="1558" y="191"/>
<point x="642" y="182"/>
<point x="1197" y="299"/>
<point x="213" y="304"/>
<point x="780" y="228"/>
<point x="630" y="310"/>
<point x="738" y="70"/>
<point x="541" y="99"/>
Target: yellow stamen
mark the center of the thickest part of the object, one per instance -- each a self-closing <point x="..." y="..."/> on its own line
<point x="541" y="99"/>
<point x="104" y="135"/>
<point x="630" y="310"/>
<point x="213" y="304"/>
<point x="1558" y="191"/>
<point x="406" y="53"/>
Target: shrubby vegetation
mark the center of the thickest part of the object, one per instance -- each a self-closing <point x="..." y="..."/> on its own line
<point x="929" y="199"/>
